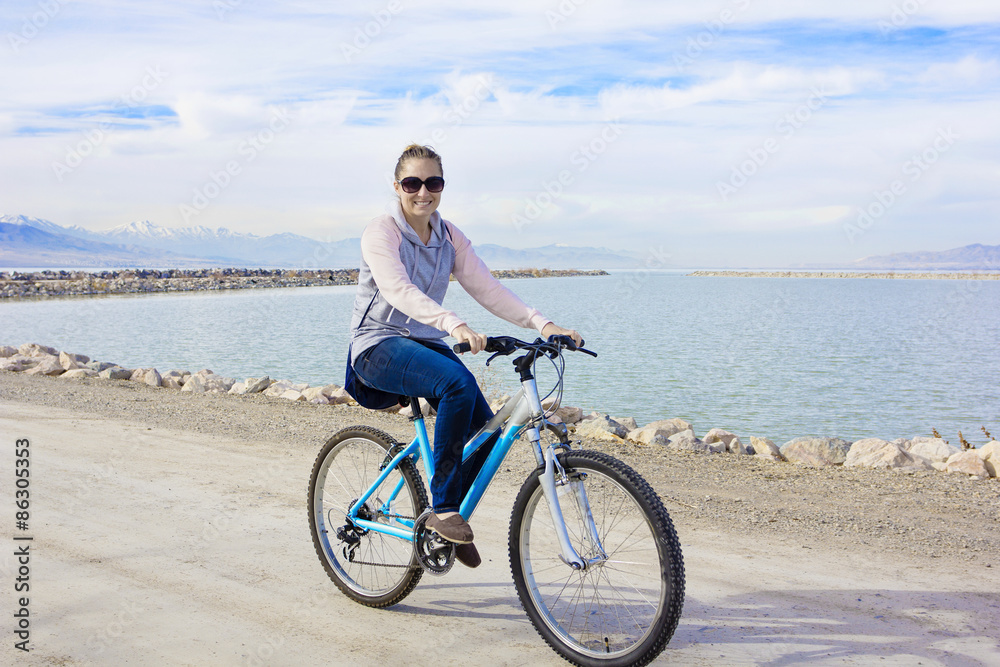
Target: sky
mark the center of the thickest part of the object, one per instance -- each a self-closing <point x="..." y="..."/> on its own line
<point x="731" y="133"/>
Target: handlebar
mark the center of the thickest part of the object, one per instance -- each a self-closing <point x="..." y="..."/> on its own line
<point x="505" y="345"/>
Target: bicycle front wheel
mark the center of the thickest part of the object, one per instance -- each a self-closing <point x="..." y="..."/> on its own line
<point x="624" y="607"/>
<point x="372" y="568"/>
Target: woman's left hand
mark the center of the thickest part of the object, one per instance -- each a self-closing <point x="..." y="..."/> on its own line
<point x="553" y="329"/>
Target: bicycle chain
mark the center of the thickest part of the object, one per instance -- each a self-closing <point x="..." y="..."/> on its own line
<point x="408" y="567"/>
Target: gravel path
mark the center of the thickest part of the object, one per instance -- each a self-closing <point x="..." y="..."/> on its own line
<point x="944" y="516"/>
<point x="785" y="565"/>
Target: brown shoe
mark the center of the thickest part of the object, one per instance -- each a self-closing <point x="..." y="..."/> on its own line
<point x="468" y="555"/>
<point x="454" y="528"/>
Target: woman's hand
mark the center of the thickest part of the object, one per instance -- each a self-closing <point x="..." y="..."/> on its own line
<point x="553" y="329"/>
<point x="464" y="334"/>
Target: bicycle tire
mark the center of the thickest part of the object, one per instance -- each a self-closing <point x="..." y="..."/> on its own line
<point x="347" y="464"/>
<point x="620" y="612"/>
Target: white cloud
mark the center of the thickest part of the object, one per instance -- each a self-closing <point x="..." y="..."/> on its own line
<point x="509" y="99"/>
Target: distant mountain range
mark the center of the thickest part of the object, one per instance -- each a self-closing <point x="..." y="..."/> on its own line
<point x="970" y="257"/>
<point x="34" y="242"/>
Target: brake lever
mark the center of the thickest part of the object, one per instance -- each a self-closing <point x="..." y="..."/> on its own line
<point x="494" y="356"/>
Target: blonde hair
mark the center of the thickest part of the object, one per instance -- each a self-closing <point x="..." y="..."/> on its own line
<point x="417" y="152"/>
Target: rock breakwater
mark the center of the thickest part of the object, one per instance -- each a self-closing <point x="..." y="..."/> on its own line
<point x="909" y="455"/>
<point x="42" y="284"/>
<point x="884" y="275"/>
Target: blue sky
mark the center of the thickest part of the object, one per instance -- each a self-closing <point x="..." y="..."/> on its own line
<point x="733" y="133"/>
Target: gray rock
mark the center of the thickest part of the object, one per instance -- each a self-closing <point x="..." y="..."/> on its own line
<point x="115" y="373"/>
<point x="650" y="435"/>
<point x="36" y="350"/>
<point x="152" y="378"/>
<point x="316" y="395"/>
<point x="68" y="362"/>
<point x="171" y="382"/>
<point x="967" y="462"/>
<point x="80" y="373"/>
<point x="990" y="454"/>
<point x="256" y="385"/>
<point x="195" y="384"/>
<point x="876" y="453"/>
<point x="218" y="384"/>
<point x="686" y="440"/>
<point x="732" y="442"/>
<point x="341" y="397"/>
<point x="766" y="449"/>
<point x="816" y="452"/>
<point x="935" y="450"/>
<point x="47" y="365"/>
<point x="17" y="363"/>
<point x="627" y="422"/>
<point x="292" y="395"/>
<point x="100" y="365"/>
<point x="670" y="426"/>
<point x="718" y="435"/>
<point x="602" y="427"/>
<point x="736" y="446"/>
<point x="7" y="351"/>
<point x="277" y="388"/>
<point x="569" y="414"/>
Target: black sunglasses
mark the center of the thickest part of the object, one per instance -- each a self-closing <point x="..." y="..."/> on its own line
<point x="412" y="184"/>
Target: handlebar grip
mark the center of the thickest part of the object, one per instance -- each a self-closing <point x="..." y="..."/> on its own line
<point x="459" y="348"/>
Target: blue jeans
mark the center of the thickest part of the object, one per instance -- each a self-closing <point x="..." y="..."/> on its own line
<point x="429" y="369"/>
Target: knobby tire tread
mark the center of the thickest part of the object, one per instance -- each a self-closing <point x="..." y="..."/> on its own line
<point x="407" y="470"/>
<point x="665" y="533"/>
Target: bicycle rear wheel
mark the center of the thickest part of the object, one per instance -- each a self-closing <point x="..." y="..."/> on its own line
<point x="621" y="611"/>
<point x="374" y="569"/>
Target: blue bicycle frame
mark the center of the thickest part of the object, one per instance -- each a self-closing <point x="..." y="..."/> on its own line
<point x="516" y="412"/>
<point x="522" y="412"/>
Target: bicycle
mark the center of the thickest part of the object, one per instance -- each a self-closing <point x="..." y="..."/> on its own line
<point x="594" y="555"/>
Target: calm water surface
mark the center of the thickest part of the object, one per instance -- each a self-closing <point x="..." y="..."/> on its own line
<point x="774" y="357"/>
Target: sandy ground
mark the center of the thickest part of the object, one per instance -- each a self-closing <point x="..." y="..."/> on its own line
<point x="167" y="546"/>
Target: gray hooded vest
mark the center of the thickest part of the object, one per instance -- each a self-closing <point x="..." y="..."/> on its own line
<point x="429" y="268"/>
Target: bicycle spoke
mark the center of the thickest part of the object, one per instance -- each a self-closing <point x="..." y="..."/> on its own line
<point x="617" y="607"/>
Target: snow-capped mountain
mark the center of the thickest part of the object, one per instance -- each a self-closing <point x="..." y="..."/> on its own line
<point x="23" y="244"/>
<point x="44" y="225"/>
<point x="220" y="246"/>
<point x="224" y="247"/>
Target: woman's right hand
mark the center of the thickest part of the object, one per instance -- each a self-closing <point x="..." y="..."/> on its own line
<point x="464" y="334"/>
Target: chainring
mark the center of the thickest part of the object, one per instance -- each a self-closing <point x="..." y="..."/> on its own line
<point x="435" y="554"/>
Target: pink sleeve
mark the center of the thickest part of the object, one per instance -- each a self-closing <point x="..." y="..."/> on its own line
<point x="474" y="276"/>
<point x="380" y="249"/>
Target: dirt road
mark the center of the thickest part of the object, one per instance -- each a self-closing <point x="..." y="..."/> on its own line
<point x="159" y="546"/>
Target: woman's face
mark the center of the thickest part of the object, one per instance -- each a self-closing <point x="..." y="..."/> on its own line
<point x="418" y="206"/>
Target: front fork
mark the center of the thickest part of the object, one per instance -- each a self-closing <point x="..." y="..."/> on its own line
<point x="554" y="479"/>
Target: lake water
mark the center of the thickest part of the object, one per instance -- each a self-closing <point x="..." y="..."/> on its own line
<point x="774" y="357"/>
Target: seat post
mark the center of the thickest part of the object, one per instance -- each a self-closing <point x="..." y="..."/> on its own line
<point x="415" y="408"/>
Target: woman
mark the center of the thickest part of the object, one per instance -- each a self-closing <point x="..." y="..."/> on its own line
<point x="407" y="257"/>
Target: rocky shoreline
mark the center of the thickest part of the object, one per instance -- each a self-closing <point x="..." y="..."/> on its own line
<point x="44" y="284"/>
<point x="881" y="275"/>
<point x="918" y="454"/>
